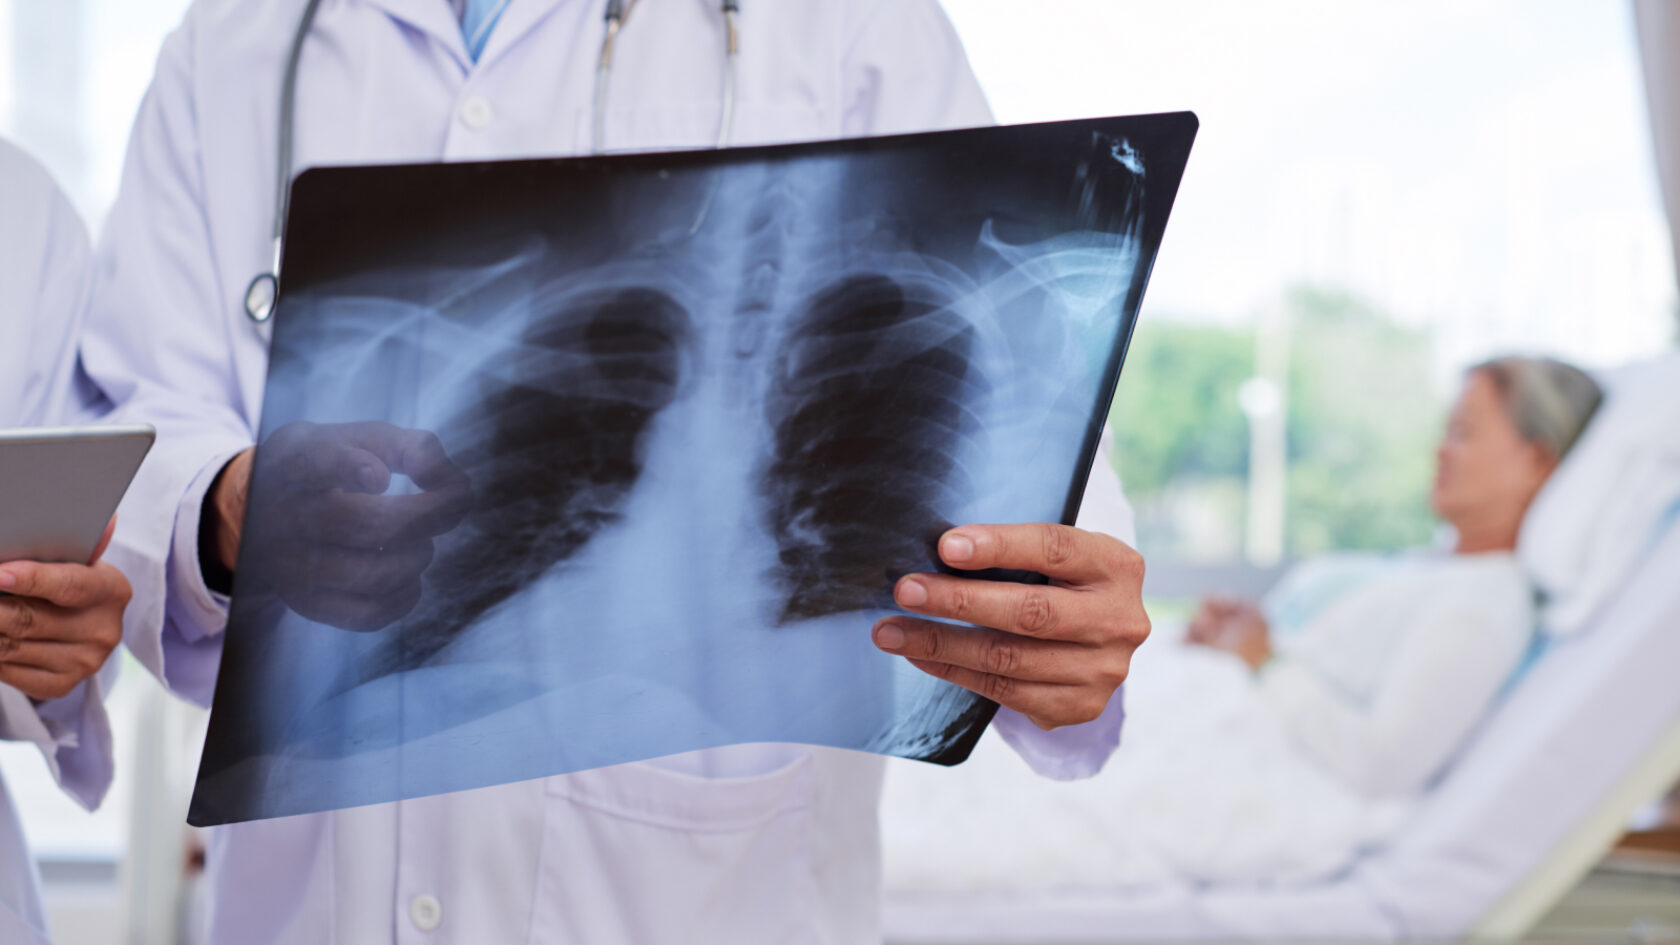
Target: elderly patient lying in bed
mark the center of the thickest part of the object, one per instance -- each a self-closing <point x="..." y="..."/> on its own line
<point x="1262" y="754"/>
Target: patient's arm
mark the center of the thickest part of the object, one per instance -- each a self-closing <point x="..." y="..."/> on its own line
<point x="1453" y="660"/>
<point x="1234" y="626"/>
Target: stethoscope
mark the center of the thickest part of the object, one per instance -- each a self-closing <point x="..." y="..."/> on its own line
<point x="264" y="289"/>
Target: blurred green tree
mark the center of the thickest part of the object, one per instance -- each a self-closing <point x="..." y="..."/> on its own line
<point x="1363" y="417"/>
<point x="1175" y="413"/>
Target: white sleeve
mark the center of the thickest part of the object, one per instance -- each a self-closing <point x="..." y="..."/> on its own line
<point x="158" y="346"/>
<point x="1080" y="751"/>
<point x="73" y="733"/>
<point x="1452" y="664"/>
<point x="51" y="395"/>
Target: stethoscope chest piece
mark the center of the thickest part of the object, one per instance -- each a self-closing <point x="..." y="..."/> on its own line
<point x="260" y="296"/>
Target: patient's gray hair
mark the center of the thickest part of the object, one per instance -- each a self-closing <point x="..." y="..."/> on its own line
<point x="1548" y="400"/>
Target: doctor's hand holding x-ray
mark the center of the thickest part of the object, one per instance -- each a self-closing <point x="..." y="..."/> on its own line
<point x="333" y="544"/>
<point x="1058" y="652"/>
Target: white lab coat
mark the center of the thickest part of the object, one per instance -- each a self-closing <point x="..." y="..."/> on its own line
<point x="765" y="843"/>
<point x="44" y="267"/>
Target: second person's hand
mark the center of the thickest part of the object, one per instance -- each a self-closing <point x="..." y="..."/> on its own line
<point x="328" y="539"/>
<point x="59" y="622"/>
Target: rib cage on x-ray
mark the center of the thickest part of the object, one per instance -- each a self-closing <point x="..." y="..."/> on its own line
<point x="567" y="417"/>
<point x="703" y="410"/>
<point x="869" y="394"/>
<point x="873" y="396"/>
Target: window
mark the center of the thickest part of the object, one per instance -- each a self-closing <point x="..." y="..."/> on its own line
<point x="1380" y="196"/>
<point x="71" y="76"/>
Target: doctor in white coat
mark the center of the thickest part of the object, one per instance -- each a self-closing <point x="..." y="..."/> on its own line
<point x="755" y="843"/>
<point x="59" y="623"/>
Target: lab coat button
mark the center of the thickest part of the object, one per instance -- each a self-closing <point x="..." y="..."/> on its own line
<point x="477" y="114"/>
<point x="425" y="912"/>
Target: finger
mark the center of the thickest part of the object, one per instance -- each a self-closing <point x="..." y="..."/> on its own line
<point x="22" y="619"/>
<point x="37" y="683"/>
<point x="76" y="659"/>
<point x="425" y="462"/>
<point x="353" y="520"/>
<point x="104" y="541"/>
<point x="1033" y="610"/>
<point x="417" y="454"/>
<point x="366" y="573"/>
<point x="985" y="651"/>
<point x="1048" y="705"/>
<point x="73" y="586"/>
<point x="337" y="464"/>
<point x="1061" y="552"/>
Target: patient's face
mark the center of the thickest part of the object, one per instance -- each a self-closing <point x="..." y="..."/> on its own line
<point x="1486" y="473"/>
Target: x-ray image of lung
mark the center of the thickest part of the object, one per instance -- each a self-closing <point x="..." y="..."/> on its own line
<point x="571" y="463"/>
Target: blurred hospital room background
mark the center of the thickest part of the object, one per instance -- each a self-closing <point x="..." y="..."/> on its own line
<point x="1381" y="196"/>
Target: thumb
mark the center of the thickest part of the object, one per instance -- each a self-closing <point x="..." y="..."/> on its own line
<point x="104" y="541"/>
<point x="339" y="463"/>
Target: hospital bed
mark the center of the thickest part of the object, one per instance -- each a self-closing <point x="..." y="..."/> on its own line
<point x="1586" y="734"/>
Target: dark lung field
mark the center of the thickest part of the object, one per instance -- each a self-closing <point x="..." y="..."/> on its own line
<point x="593" y="461"/>
<point x="874" y="398"/>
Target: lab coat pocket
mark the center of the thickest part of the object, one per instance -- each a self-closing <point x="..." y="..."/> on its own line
<point x="642" y="853"/>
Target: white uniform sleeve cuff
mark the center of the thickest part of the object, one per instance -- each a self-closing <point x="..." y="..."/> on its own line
<point x="21" y="721"/>
<point x="1067" y="753"/>
<point x="201" y="612"/>
<point x="72" y="732"/>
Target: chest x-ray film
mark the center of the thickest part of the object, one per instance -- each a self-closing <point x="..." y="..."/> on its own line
<point x="570" y="463"/>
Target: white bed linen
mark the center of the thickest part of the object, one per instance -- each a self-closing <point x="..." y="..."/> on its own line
<point x="1382" y="687"/>
<point x="1224" y="777"/>
<point x="1558" y="744"/>
<point x="1593" y="518"/>
<point x="1205" y="786"/>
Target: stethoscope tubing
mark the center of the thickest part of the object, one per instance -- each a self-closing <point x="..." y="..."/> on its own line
<point x="263" y="291"/>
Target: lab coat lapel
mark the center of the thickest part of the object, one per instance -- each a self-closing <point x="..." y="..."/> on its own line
<point x="435" y="18"/>
<point x="520" y="17"/>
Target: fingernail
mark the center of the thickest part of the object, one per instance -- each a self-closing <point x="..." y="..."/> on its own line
<point x="912" y="593"/>
<point x="7" y="579"/>
<point x="368" y="477"/>
<point x="889" y="636"/>
<point x="957" y="548"/>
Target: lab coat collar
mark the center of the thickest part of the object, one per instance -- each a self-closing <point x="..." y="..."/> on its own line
<point x="436" y="18"/>
<point x="518" y="19"/>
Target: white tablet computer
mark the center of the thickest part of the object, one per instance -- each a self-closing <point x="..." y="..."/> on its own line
<point x="59" y="486"/>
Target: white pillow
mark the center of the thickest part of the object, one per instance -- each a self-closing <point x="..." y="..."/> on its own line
<point x="1599" y="513"/>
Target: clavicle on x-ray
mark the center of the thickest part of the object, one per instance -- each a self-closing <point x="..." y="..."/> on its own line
<point x="571" y="463"/>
